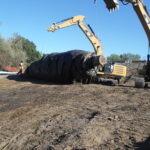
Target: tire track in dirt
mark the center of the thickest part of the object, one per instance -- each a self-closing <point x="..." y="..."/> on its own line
<point x="72" y="117"/>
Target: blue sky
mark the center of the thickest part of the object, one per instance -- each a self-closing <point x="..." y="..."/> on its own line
<point x="119" y="32"/>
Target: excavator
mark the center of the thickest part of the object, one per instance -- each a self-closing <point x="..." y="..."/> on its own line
<point x="113" y="71"/>
<point x="144" y="17"/>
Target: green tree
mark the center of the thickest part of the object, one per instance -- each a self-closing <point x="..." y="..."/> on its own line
<point x="130" y="57"/>
<point x="123" y="57"/>
<point x="26" y="46"/>
<point x="17" y="49"/>
<point x="113" y="58"/>
<point x="17" y="52"/>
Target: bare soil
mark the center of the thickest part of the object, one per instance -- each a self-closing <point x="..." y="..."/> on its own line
<point x="36" y="115"/>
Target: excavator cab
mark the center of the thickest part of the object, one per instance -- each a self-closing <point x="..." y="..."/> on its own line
<point x="108" y="68"/>
<point x="113" y="70"/>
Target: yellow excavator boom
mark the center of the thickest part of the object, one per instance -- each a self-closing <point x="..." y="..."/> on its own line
<point x="78" y="20"/>
<point x="117" y="71"/>
<point x="66" y="23"/>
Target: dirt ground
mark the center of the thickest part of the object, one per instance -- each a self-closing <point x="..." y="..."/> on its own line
<point x="37" y="115"/>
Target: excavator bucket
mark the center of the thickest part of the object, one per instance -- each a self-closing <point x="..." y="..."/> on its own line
<point x="111" y="4"/>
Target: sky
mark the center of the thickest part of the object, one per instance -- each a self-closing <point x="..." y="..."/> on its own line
<point x="119" y="32"/>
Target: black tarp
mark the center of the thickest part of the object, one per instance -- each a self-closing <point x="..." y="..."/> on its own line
<point x="66" y="67"/>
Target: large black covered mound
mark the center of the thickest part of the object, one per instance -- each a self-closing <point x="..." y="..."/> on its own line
<point x="66" y="67"/>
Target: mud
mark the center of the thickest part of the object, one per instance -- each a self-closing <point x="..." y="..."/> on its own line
<point x="36" y="115"/>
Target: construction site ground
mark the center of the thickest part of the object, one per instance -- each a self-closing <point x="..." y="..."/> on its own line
<point x="36" y="115"/>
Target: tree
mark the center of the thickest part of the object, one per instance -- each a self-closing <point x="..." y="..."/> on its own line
<point x="17" y="52"/>
<point x="123" y="57"/>
<point x="17" y="49"/>
<point x="113" y="58"/>
<point x="26" y="46"/>
<point x="130" y="57"/>
<point x="5" y="53"/>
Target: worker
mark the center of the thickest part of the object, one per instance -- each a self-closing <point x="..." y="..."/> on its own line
<point x="21" y="68"/>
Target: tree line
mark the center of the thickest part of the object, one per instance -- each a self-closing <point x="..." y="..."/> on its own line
<point x="17" y="49"/>
<point x="123" y="57"/>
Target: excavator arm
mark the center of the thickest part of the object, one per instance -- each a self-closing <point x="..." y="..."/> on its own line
<point x="66" y="23"/>
<point x="139" y="8"/>
<point x="144" y="18"/>
<point x="118" y="71"/>
<point x="87" y="30"/>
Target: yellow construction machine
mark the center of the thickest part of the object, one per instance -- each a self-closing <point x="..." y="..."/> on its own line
<point x="114" y="71"/>
<point x="144" y="17"/>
